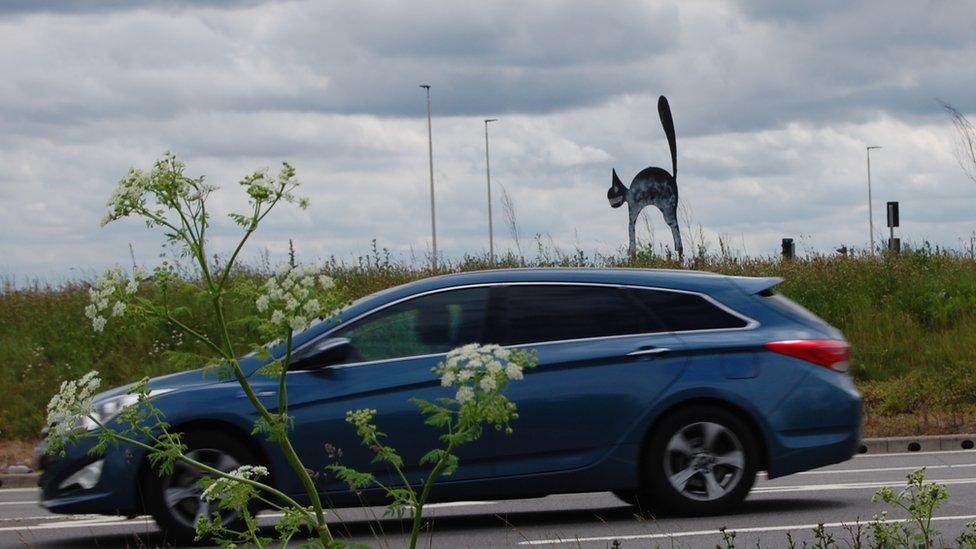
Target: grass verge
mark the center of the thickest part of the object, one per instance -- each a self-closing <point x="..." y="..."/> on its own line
<point x="911" y="320"/>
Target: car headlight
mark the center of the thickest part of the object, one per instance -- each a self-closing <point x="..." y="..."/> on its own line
<point x="107" y="409"/>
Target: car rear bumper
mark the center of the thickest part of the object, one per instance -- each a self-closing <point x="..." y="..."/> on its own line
<point x="819" y="424"/>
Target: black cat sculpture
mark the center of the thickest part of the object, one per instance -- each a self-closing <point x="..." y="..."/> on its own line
<point x="652" y="186"/>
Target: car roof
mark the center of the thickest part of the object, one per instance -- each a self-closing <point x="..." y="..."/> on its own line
<point x="676" y="279"/>
<point x="697" y="281"/>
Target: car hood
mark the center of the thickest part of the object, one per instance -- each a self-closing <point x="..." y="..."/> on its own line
<point x="207" y="376"/>
<point x="179" y="380"/>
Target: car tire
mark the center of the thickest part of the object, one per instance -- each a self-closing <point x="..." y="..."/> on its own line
<point x="699" y="461"/>
<point x="174" y="500"/>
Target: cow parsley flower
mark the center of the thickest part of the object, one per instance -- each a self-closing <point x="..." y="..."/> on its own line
<point x="222" y="485"/>
<point x="478" y="370"/>
<point x="360" y="418"/>
<point x="464" y="395"/>
<point x="488" y="383"/>
<point x="108" y="296"/>
<point x="69" y="409"/>
<point x="288" y="301"/>
<point x="263" y="187"/>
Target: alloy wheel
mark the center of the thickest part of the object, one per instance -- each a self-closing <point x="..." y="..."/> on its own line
<point x="704" y="461"/>
<point x="182" y="493"/>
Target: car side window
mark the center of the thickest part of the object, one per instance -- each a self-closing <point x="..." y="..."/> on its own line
<point x="538" y="313"/>
<point x="430" y="324"/>
<point x="678" y="311"/>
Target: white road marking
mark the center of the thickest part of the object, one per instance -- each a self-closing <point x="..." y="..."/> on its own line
<point x="852" y="485"/>
<point x="716" y="532"/>
<point x="8" y="490"/>
<point x="883" y="469"/>
<point x="94" y="521"/>
<point x="31" y="502"/>
<point x="933" y="453"/>
<point x="106" y="521"/>
<point x="50" y="517"/>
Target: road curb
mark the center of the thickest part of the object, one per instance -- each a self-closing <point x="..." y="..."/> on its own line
<point x="934" y="443"/>
<point x="889" y="445"/>
<point x="18" y="480"/>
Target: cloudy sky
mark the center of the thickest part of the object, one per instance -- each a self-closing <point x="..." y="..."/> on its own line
<point x="773" y="103"/>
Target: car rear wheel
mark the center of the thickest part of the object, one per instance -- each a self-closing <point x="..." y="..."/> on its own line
<point x="175" y="501"/>
<point x="699" y="461"/>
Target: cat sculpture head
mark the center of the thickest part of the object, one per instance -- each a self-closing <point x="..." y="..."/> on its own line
<point x="617" y="194"/>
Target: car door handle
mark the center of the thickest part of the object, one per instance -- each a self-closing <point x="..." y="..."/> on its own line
<point x="643" y="351"/>
<point x="258" y="394"/>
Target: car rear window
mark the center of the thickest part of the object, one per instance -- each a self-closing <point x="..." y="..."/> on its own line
<point x="682" y="312"/>
<point x="783" y="303"/>
<point x="538" y="313"/>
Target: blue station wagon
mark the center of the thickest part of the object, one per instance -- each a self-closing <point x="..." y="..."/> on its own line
<point x="670" y="388"/>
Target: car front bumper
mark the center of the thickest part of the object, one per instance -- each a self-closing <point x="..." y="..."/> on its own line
<point x="114" y="490"/>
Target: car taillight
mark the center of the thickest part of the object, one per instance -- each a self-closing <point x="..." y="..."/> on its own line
<point x="831" y="353"/>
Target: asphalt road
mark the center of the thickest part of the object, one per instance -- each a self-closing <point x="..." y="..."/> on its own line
<point x="836" y="496"/>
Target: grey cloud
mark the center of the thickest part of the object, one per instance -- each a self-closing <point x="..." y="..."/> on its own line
<point x="17" y="7"/>
<point x="772" y="111"/>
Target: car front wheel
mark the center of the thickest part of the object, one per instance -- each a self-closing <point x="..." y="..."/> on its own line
<point x="175" y="501"/>
<point x="699" y="461"/>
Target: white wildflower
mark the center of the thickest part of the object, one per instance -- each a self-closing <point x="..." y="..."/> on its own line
<point x="108" y="296"/>
<point x="488" y="383"/>
<point x="69" y="409"/>
<point x="262" y="303"/>
<point x="464" y="394"/>
<point x="98" y="323"/>
<point x="361" y="417"/>
<point x="513" y="371"/>
<point x="494" y="367"/>
<point x="298" y="323"/>
<point x="448" y="378"/>
<point x="222" y="485"/>
<point x="326" y="282"/>
<point x="277" y="317"/>
<point x="276" y="293"/>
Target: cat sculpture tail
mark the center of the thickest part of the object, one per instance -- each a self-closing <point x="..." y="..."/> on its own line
<point x="664" y="111"/>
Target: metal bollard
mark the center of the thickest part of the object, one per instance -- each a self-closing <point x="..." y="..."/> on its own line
<point x="789" y="248"/>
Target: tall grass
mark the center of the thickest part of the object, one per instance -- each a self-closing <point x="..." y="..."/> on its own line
<point x="911" y="319"/>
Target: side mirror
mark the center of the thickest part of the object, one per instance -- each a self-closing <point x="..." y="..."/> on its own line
<point x="333" y="350"/>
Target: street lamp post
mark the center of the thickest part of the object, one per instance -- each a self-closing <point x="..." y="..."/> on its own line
<point x="491" y="233"/>
<point x="870" y="207"/>
<point x="430" y="156"/>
